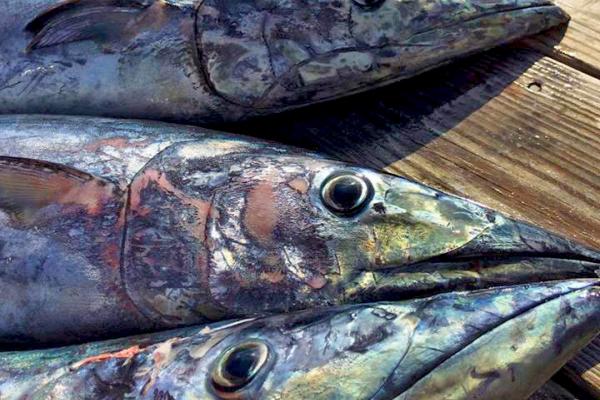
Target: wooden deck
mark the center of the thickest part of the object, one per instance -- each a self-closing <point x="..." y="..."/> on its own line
<point x="517" y="129"/>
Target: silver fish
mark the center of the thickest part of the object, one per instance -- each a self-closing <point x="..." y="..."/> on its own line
<point x="500" y="343"/>
<point x="111" y="227"/>
<point x="224" y="60"/>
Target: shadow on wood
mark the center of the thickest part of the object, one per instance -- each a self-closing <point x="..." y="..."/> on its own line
<point x="380" y="127"/>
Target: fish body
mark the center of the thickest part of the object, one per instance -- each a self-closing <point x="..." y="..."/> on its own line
<point x="112" y="227"/>
<point x="210" y="61"/>
<point x="493" y="344"/>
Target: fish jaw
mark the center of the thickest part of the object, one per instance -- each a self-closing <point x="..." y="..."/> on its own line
<point x="527" y="351"/>
<point x="260" y="236"/>
<point x="416" y="241"/>
<point x="287" y="55"/>
<point x="502" y="343"/>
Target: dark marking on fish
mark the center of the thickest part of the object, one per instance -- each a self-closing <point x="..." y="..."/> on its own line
<point x="364" y="342"/>
<point x="162" y="395"/>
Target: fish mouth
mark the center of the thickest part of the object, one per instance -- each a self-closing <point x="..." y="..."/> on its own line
<point x="534" y="329"/>
<point x="422" y="40"/>
<point x="508" y="253"/>
<point x="433" y="277"/>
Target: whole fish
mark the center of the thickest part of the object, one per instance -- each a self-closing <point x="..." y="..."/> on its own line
<point x="500" y="343"/>
<point x="110" y="227"/>
<point x="214" y="60"/>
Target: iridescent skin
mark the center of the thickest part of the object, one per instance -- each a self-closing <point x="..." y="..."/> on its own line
<point x="113" y="227"/>
<point x="212" y="60"/>
<point x="500" y="343"/>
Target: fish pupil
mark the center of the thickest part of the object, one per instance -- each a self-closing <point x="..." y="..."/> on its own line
<point x="239" y="366"/>
<point x="241" y="363"/>
<point x="347" y="193"/>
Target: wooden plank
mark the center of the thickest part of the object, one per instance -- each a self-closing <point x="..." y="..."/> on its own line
<point x="583" y="372"/>
<point x="512" y="129"/>
<point x="552" y="391"/>
<point x="577" y="45"/>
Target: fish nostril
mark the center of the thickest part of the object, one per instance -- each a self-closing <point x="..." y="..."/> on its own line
<point x="379" y="208"/>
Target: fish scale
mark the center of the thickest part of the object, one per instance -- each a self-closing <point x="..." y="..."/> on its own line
<point x="116" y="227"/>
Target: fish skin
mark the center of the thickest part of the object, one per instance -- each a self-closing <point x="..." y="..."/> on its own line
<point x="493" y="344"/>
<point x="159" y="226"/>
<point x="212" y="61"/>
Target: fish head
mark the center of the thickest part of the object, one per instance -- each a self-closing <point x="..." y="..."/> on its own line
<point x="495" y="343"/>
<point x="277" y="54"/>
<point x="221" y="228"/>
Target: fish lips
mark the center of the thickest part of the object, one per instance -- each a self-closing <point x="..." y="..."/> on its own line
<point x="418" y="36"/>
<point x="532" y="329"/>
<point x="509" y="252"/>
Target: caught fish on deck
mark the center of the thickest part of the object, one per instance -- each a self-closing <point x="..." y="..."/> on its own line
<point x="111" y="227"/>
<point x="500" y="343"/>
<point x="211" y="61"/>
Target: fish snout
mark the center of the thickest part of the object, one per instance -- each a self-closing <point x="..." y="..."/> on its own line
<point x="533" y="329"/>
<point x="401" y="39"/>
<point x="495" y="343"/>
<point x="424" y="242"/>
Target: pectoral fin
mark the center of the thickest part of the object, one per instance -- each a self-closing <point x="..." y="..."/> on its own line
<point x="76" y="20"/>
<point x="27" y="186"/>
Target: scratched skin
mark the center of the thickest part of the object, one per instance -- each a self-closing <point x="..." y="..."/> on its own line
<point x="211" y="61"/>
<point x="493" y="344"/>
<point x="179" y="225"/>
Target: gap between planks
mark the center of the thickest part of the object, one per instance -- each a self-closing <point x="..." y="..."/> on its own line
<point x="577" y="45"/>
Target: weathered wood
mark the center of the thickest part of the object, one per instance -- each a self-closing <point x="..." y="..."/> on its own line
<point x="583" y="372"/>
<point x="576" y="45"/>
<point x="537" y="143"/>
<point x="552" y="391"/>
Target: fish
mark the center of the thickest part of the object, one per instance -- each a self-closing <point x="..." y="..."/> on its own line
<point x="115" y="227"/>
<point x="213" y="61"/>
<point x="491" y="344"/>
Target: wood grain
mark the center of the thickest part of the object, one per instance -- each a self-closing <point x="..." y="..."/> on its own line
<point x="577" y="45"/>
<point x="583" y="373"/>
<point x="533" y="151"/>
<point x="552" y="391"/>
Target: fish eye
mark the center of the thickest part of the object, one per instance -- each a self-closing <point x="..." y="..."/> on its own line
<point x="238" y="366"/>
<point x="346" y="193"/>
<point x="369" y="4"/>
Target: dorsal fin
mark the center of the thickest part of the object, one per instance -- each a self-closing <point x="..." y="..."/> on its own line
<point x="27" y="186"/>
<point x="75" y="20"/>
